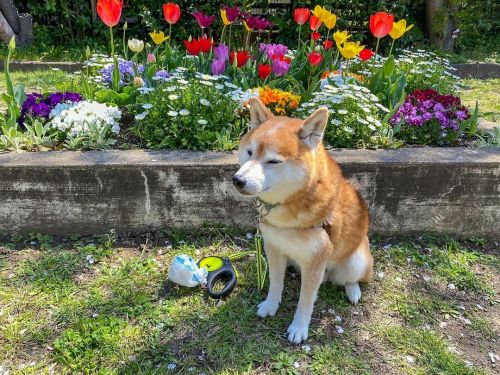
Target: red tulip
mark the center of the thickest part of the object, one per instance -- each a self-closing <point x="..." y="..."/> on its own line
<point x="110" y="11"/>
<point x="381" y="24"/>
<point x="315" y="36"/>
<point x="205" y="44"/>
<point x="172" y="13"/>
<point x="301" y="15"/>
<point x="314" y="23"/>
<point x="315" y="58"/>
<point x="241" y="57"/>
<point x="193" y="47"/>
<point x="327" y="44"/>
<point x="264" y="70"/>
<point x="366" y="54"/>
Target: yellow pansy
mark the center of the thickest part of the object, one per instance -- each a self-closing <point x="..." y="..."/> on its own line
<point x="350" y="49"/>
<point x="398" y="29"/>
<point x="158" y="38"/>
<point x="224" y="17"/>
<point x="341" y="37"/>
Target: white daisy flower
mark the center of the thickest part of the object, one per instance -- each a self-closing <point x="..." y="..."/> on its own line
<point x="184" y="112"/>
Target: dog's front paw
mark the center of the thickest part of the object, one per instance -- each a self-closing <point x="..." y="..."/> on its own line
<point x="297" y="332"/>
<point x="267" y="308"/>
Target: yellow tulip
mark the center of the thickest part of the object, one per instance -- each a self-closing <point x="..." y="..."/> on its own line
<point x="158" y="38"/>
<point x="330" y="20"/>
<point x="325" y="16"/>
<point x="398" y="29"/>
<point x="350" y="49"/>
<point x="341" y="37"/>
<point x="135" y="45"/>
<point x="246" y="27"/>
<point x="224" y="17"/>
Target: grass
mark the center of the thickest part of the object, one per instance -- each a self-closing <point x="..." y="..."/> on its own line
<point x="487" y="92"/>
<point x="98" y="305"/>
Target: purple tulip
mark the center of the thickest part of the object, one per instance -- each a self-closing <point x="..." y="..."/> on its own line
<point x="280" y="67"/>
<point x="273" y="51"/>
<point x="232" y="14"/>
<point x="258" y="23"/>
<point x="203" y="20"/>
<point x="218" y="67"/>
<point x="221" y="52"/>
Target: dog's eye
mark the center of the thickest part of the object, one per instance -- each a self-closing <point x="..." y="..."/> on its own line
<point x="249" y="152"/>
<point x="274" y="161"/>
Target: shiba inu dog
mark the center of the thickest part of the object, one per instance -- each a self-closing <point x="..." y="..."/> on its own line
<point x="311" y="215"/>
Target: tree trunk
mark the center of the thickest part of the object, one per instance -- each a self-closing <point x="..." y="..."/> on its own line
<point x="6" y="32"/>
<point x="14" y="24"/>
<point x="9" y="11"/>
<point x="440" y="23"/>
<point x="93" y="7"/>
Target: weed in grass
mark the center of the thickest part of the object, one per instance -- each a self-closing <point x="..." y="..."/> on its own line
<point x="284" y="364"/>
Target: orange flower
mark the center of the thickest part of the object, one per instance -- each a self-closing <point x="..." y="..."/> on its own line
<point x="280" y="102"/>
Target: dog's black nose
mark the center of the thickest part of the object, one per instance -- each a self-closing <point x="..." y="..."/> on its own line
<point x="238" y="182"/>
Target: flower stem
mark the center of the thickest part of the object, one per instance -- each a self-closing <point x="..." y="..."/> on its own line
<point x="112" y="42"/>
<point x="298" y="45"/>
<point x="392" y="45"/>
<point x="230" y="27"/>
<point x="375" y="56"/>
<point x="169" y="33"/>
<point x="248" y="39"/>
<point x="222" y="34"/>
<point x="125" y="49"/>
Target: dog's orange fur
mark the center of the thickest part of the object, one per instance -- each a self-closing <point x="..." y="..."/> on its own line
<point x="327" y="194"/>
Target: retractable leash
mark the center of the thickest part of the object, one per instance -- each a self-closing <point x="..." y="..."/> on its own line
<point x="220" y="271"/>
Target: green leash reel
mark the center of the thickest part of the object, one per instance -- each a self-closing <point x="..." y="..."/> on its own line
<point x="220" y="270"/>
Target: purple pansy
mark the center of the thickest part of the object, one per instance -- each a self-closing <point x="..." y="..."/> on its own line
<point x="37" y="105"/>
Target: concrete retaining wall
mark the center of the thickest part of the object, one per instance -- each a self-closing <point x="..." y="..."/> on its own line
<point x="449" y="190"/>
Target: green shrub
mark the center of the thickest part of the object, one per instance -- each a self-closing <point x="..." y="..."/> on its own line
<point x="200" y="113"/>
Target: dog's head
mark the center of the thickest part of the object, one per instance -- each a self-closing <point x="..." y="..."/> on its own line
<point x="277" y="155"/>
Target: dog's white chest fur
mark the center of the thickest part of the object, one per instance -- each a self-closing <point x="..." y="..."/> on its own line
<point x="300" y="245"/>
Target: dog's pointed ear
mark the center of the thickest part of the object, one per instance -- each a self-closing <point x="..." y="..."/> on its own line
<point x="313" y="128"/>
<point x="259" y="113"/>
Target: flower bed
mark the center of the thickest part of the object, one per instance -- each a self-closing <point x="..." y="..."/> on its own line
<point x="160" y="94"/>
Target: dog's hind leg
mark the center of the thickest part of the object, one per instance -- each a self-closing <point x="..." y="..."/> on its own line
<point x="277" y="265"/>
<point x="358" y="267"/>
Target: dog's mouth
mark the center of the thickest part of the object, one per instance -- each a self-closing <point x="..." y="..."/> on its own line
<point x="252" y="194"/>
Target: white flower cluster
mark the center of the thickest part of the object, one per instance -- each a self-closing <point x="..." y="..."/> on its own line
<point x="178" y="82"/>
<point x="78" y="118"/>
<point x="349" y="105"/>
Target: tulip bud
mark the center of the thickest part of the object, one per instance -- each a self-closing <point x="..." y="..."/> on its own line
<point x="125" y="26"/>
<point x="317" y="49"/>
<point x="12" y="44"/>
<point x="151" y="58"/>
<point x="139" y="82"/>
<point x="87" y="53"/>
